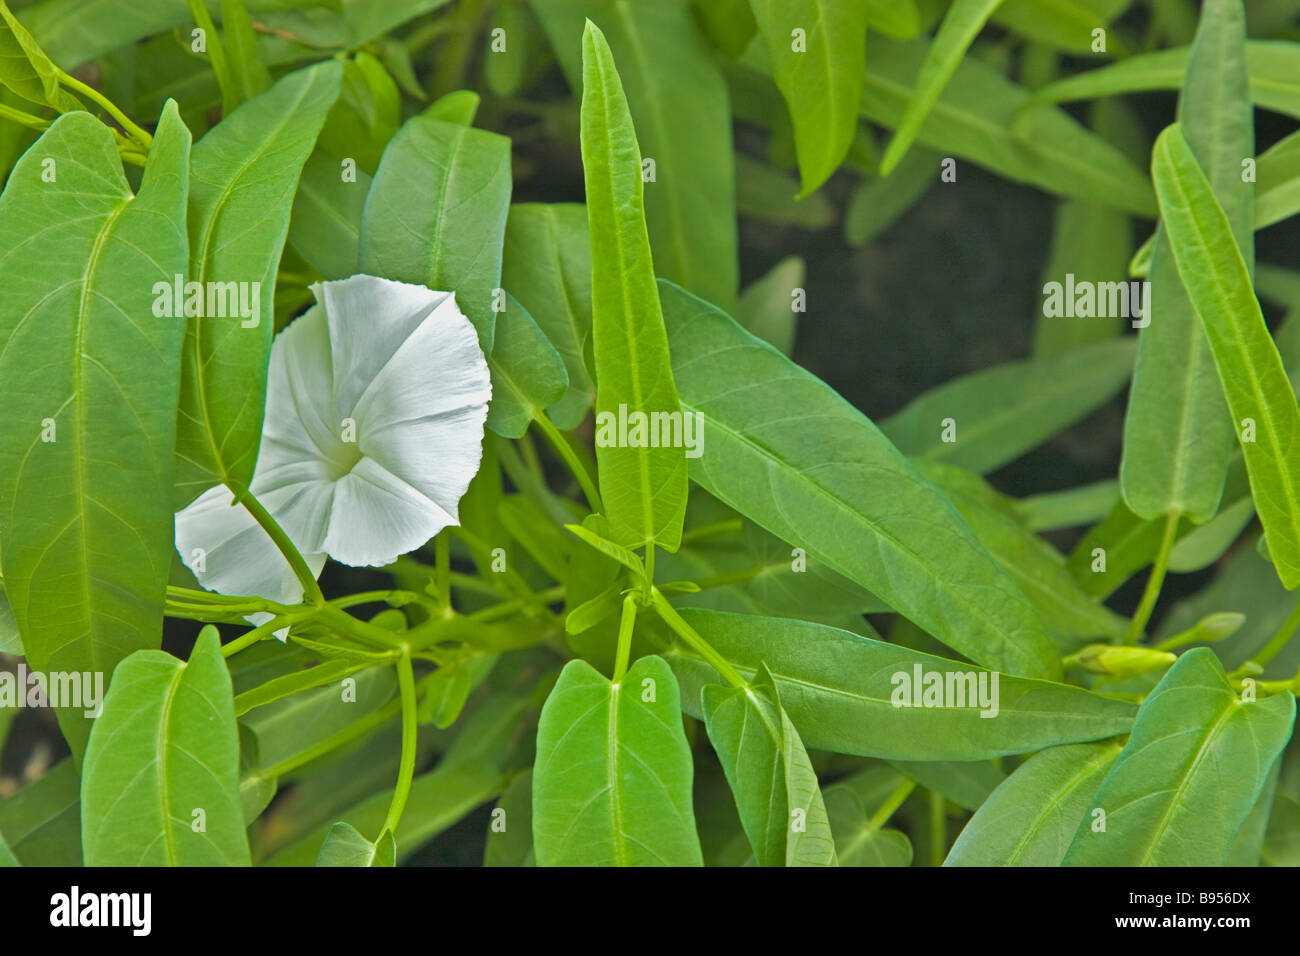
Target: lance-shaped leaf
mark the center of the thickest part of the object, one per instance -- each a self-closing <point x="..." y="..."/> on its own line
<point x="436" y="214"/>
<point x="818" y="51"/>
<point x="546" y="265"/>
<point x="1068" y="611"/>
<point x="976" y="118"/>
<point x="678" y="100"/>
<point x="1032" y="816"/>
<point x="1189" y="775"/>
<point x="612" y="782"/>
<point x="1218" y="282"/>
<point x="244" y="174"/>
<point x="1273" y="65"/>
<point x="1177" y="433"/>
<point x="89" y="399"/>
<point x="774" y="783"/>
<point x="867" y="514"/>
<point x="327" y="209"/>
<point x="854" y="695"/>
<point x="961" y="24"/>
<point x="527" y="373"/>
<point x="42" y="821"/>
<point x="345" y="846"/>
<point x="643" y="487"/>
<point x="991" y="417"/>
<point x="25" y="68"/>
<point x="162" y="758"/>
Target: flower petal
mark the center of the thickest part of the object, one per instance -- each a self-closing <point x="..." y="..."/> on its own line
<point x="377" y="516"/>
<point x="230" y="553"/>
<point x="300" y="421"/>
<point x="369" y="319"/>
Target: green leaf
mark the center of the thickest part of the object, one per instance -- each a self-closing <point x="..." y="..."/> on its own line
<point x="1190" y="773"/>
<point x="547" y="267"/>
<point x="728" y="23"/>
<point x="511" y="842"/>
<point x="765" y="420"/>
<point x="1085" y="504"/>
<point x="1177" y="433"/>
<point x="817" y="51"/>
<point x="973" y="119"/>
<point x="643" y="488"/>
<point x="527" y="372"/>
<point x="838" y="689"/>
<point x="1001" y="412"/>
<point x="766" y="306"/>
<point x="1282" y="839"/>
<point x="325" y="227"/>
<point x="344" y="846"/>
<point x="1218" y="282"/>
<point x="878" y="202"/>
<point x="773" y="781"/>
<point x="1032" y="816"/>
<point x="247" y="71"/>
<point x="768" y="195"/>
<point x="612" y="782"/>
<point x="1067" y="611"/>
<point x="436" y="214"/>
<point x="961" y="24"/>
<point x="1089" y="239"/>
<point x="366" y="115"/>
<point x="243" y="176"/>
<point x="678" y="101"/>
<point x="1063" y="24"/>
<point x="25" y="68"/>
<point x="89" y="397"/>
<point x="1273" y="65"/>
<point x="966" y="783"/>
<point x="163" y="757"/>
<point x="852" y="805"/>
<point x="459" y="107"/>
<point x="1277" y="185"/>
<point x="505" y="70"/>
<point x="629" y="559"/>
<point x="438" y="800"/>
<point x="42" y="821"/>
<point x="899" y="19"/>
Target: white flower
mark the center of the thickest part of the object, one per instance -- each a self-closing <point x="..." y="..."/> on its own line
<point x="375" y="405"/>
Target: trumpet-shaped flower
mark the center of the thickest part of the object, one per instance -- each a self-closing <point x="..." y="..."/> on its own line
<point x="375" y="405"/>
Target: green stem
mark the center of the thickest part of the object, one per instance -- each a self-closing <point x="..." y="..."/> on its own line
<point x="442" y="567"/>
<point x="625" y="624"/>
<point x="566" y="452"/>
<point x="374" y="597"/>
<point x="891" y="804"/>
<point x="649" y="582"/>
<point x="344" y="737"/>
<point x="136" y="133"/>
<point x="1280" y="639"/>
<point x="25" y="119"/>
<point x="706" y="531"/>
<point x="260" y="632"/>
<point x="938" y="829"/>
<point x="310" y="588"/>
<point x="692" y="638"/>
<point x="410" y="729"/>
<point x="1155" y="582"/>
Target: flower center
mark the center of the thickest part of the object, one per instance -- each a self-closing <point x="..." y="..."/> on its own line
<point x="341" y="459"/>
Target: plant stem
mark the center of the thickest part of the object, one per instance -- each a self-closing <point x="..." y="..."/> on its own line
<point x="1155" y="581"/>
<point x="1280" y="639"/>
<point x="136" y="133"/>
<point x="442" y="567"/>
<point x="705" y="531"/>
<point x="23" y="118"/>
<point x="410" y="729"/>
<point x="310" y="588"/>
<point x="260" y="632"/>
<point x="565" y="450"/>
<point x="891" y="804"/>
<point x="625" y="624"/>
<point x="938" y="830"/>
<point x="372" y="597"/>
<point x="696" y="642"/>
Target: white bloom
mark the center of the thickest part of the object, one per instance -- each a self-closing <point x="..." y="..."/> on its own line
<point x="375" y="405"/>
